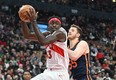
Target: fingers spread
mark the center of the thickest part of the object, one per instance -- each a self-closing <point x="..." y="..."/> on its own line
<point x="28" y="14"/>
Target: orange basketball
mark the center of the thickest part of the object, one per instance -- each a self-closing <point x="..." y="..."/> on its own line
<point x="23" y="12"/>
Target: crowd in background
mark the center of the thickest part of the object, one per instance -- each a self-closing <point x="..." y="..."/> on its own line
<point x="18" y="54"/>
<point x="99" y="5"/>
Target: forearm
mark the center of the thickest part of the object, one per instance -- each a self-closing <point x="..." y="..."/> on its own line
<point x="25" y="29"/>
<point x="38" y="33"/>
<point x="71" y="54"/>
<point x="74" y="55"/>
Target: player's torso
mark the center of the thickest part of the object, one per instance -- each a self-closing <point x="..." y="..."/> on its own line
<point x="80" y="66"/>
<point x="57" y="54"/>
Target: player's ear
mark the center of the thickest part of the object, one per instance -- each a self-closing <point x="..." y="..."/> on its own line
<point x="78" y="35"/>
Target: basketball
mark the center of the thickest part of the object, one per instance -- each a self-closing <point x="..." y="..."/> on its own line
<point x="23" y="12"/>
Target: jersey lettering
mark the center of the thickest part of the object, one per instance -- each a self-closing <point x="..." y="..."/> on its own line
<point x="72" y="64"/>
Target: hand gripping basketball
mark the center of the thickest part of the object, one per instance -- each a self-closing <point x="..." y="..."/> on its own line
<point x="27" y="13"/>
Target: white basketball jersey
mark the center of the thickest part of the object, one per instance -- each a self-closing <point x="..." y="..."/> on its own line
<point x="58" y="54"/>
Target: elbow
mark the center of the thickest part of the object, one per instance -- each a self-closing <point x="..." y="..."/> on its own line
<point x="74" y="58"/>
<point x="26" y="37"/>
<point x="42" y="43"/>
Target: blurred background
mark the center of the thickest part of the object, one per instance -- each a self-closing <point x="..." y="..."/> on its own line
<point x="97" y="18"/>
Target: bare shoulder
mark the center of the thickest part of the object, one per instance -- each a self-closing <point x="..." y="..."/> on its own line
<point x="83" y="45"/>
<point x="83" y="42"/>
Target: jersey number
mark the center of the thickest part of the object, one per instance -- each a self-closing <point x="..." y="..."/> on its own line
<point x="72" y="64"/>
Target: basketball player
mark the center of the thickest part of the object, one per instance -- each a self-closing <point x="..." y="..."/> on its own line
<point x="78" y="54"/>
<point x="56" y="48"/>
<point x="27" y="75"/>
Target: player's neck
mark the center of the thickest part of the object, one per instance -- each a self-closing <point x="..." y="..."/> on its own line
<point x="73" y="42"/>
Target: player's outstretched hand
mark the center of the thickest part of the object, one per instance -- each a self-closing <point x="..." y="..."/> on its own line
<point x="32" y="15"/>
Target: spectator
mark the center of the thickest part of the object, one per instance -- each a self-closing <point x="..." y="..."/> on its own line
<point x="27" y="75"/>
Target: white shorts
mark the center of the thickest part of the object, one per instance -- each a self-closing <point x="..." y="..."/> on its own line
<point x="52" y="75"/>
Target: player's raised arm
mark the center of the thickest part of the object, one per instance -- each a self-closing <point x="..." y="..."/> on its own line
<point x="27" y="33"/>
<point x="24" y="20"/>
<point x="53" y="26"/>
